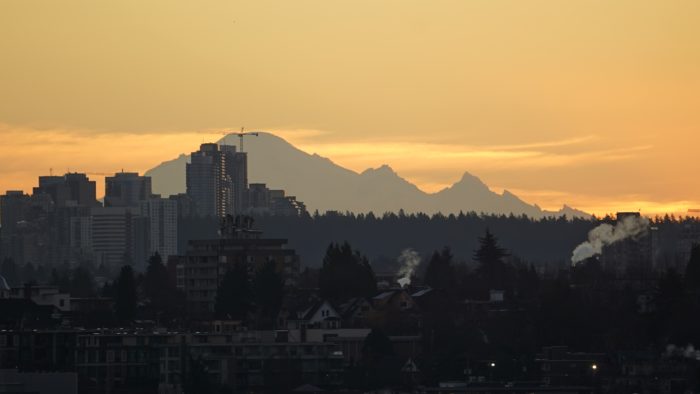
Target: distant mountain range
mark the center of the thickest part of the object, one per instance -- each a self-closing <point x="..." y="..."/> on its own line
<point x="323" y="185"/>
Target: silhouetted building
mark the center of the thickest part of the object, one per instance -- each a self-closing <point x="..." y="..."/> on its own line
<point x="42" y="295"/>
<point x="72" y="188"/>
<point x="55" y="187"/>
<point x="258" y="198"/>
<point x="690" y="235"/>
<point x="65" y="203"/>
<point x="16" y="382"/>
<point x="560" y="367"/>
<point x="161" y="226"/>
<point x="126" y="189"/>
<point x="244" y="360"/>
<point x="208" y="182"/>
<point x="39" y="350"/>
<point x="78" y="237"/>
<point x="205" y="263"/>
<point x="25" y="232"/>
<point x="185" y="206"/>
<point x="280" y="204"/>
<point x="262" y="200"/>
<point x="118" y="236"/>
<point x="13" y="210"/>
<point x="236" y="168"/>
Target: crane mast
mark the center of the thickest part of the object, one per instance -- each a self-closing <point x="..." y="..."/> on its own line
<point x="241" y="135"/>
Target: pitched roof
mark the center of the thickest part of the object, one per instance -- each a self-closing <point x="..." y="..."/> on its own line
<point x="384" y="295"/>
<point x="351" y="306"/>
<point x="314" y="308"/>
<point x="422" y="292"/>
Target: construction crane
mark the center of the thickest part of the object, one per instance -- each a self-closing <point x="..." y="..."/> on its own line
<point x="241" y="135"/>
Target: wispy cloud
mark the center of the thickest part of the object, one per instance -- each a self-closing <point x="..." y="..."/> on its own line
<point x="27" y="153"/>
<point x="359" y="155"/>
<point x="602" y="205"/>
<point x="545" y="144"/>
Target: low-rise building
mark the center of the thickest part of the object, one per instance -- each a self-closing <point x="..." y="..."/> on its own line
<point x="42" y="295"/>
<point x="14" y="381"/>
<point x="205" y="263"/>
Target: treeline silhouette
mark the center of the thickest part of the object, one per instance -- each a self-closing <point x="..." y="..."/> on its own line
<point x="582" y="307"/>
<point x="544" y="242"/>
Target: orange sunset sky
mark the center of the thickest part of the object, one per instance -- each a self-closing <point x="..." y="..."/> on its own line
<point x="590" y="103"/>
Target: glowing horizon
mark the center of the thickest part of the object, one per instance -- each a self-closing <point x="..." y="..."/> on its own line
<point x="592" y="104"/>
<point x="146" y="151"/>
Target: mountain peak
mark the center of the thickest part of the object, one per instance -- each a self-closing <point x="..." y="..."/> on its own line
<point x="470" y="181"/>
<point x="262" y="137"/>
<point x="324" y="185"/>
<point x="508" y="194"/>
<point x="384" y="169"/>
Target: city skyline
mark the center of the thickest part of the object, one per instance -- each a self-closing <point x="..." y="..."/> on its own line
<point x="547" y="199"/>
<point x="585" y="103"/>
<point x="405" y="196"/>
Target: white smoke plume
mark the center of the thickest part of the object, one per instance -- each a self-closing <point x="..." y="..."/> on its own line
<point x="409" y="260"/>
<point x="606" y="234"/>
<point x="686" y="352"/>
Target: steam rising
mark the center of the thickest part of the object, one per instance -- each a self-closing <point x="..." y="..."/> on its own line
<point x="606" y="234"/>
<point x="409" y="260"/>
<point x="686" y="352"/>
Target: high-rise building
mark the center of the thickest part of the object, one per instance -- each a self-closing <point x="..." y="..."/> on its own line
<point x="24" y="235"/>
<point x="55" y="187"/>
<point x="127" y="189"/>
<point x="208" y="183"/>
<point x="161" y="226"/>
<point x="68" y="200"/>
<point x="237" y="169"/>
<point x="184" y="204"/>
<point x="258" y="198"/>
<point x="280" y="204"/>
<point x="79" y="238"/>
<point x="118" y="236"/>
<point x="70" y="189"/>
<point x="81" y="189"/>
<point x="206" y="262"/>
<point x="262" y="200"/>
<point x="14" y="206"/>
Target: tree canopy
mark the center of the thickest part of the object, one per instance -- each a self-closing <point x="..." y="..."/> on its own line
<point x="346" y="273"/>
<point x="489" y="257"/>
<point x="440" y="272"/>
<point x="125" y="295"/>
<point x="268" y="290"/>
<point x="692" y="269"/>
<point x="233" y="296"/>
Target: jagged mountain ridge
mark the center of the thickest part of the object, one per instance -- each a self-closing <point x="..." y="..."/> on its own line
<point x="324" y="185"/>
